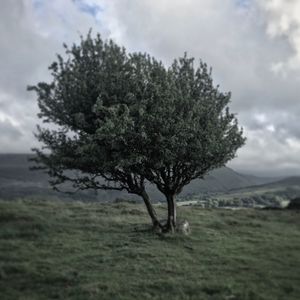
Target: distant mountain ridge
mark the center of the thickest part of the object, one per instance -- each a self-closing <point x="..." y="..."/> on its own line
<point x="17" y="180"/>
<point x="287" y="182"/>
<point x="292" y="180"/>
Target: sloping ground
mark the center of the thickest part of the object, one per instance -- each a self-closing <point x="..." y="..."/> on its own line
<point x="281" y="191"/>
<point x="289" y="181"/>
<point x="59" y="250"/>
<point x="282" y="183"/>
<point x="16" y="180"/>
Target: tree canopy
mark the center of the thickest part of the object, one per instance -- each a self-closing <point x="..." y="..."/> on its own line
<point x="125" y="118"/>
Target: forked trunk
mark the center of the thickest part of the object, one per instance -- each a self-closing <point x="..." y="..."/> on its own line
<point x="171" y="223"/>
<point x="151" y="211"/>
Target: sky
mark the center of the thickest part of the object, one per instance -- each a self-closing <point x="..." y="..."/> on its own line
<point x="253" y="47"/>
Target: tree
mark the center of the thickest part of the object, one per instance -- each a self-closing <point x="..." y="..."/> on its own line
<point x="124" y="119"/>
<point x="189" y="132"/>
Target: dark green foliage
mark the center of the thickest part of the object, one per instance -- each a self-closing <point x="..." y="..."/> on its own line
<point x="59" y="250"/>
<point x="126" y="118"/>
<point x="190" y="131"/>
<point x="294" y="204"/>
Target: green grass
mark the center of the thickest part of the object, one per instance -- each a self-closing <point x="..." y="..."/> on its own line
<point x="56" y="250"/>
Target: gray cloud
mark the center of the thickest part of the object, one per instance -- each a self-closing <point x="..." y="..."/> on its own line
<point x="31" y="32"/>
<point x="9" y="130"/>
<point x="253" y="49"/>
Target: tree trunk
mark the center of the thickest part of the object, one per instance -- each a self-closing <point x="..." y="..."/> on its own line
<point x="171" y="223"/>
<point x="151" y="210"/>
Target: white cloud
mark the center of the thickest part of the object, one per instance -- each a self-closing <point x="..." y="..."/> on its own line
<point x="283" y="20"/>
<point x="265" y="155"/>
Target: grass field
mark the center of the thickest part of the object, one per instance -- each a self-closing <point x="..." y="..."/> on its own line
<point x="57" y="250"/>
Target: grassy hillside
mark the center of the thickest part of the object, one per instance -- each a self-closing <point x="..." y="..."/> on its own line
<point x="57" y="250"/>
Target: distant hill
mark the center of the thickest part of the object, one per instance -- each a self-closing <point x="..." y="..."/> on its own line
<point x="289" y="181"/>
<point x="224" y="179"/>
<point x="272" y="194"/>
<point x="285" y="183"/>
<point x="17" y="180"/>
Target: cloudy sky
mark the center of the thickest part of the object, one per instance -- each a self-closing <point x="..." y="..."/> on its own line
<point x="252" y="45"/>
